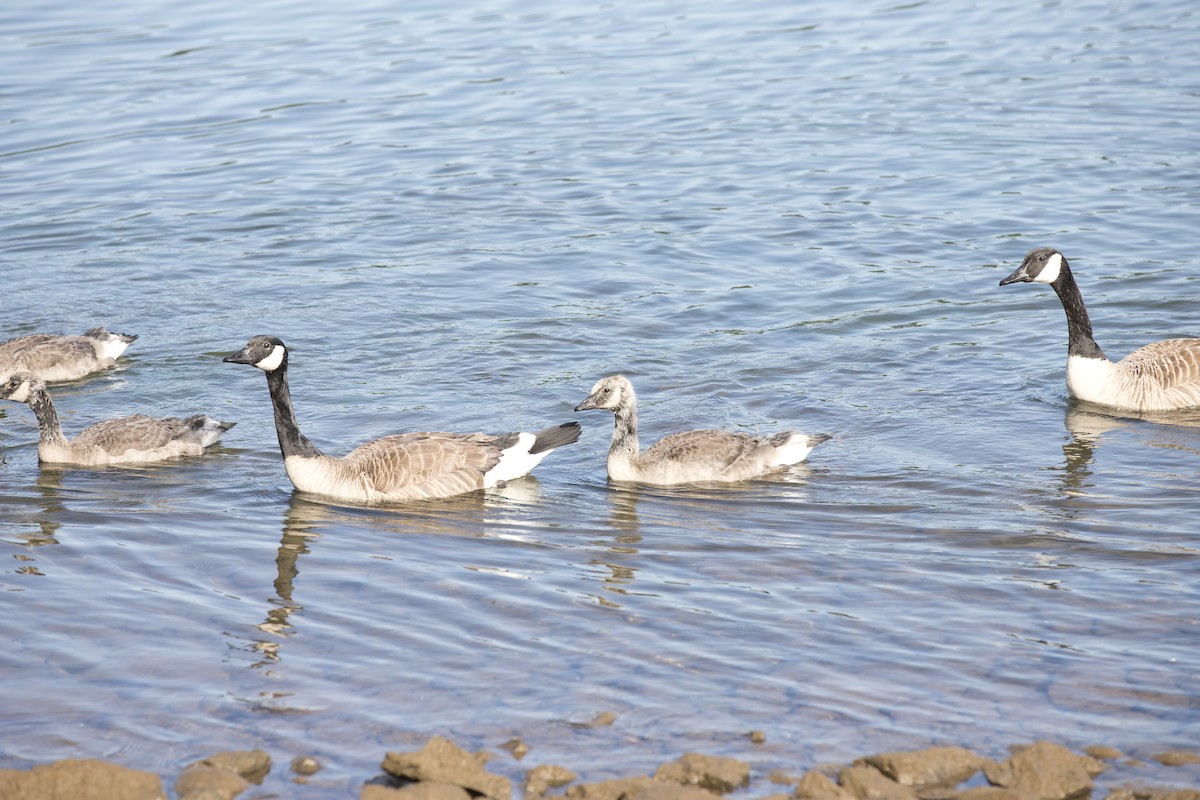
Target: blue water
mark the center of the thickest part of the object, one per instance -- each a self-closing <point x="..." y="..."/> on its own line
<point x="768" y="214"/>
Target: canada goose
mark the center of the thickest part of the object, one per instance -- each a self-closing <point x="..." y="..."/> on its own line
<point x="128" y="440"/>
<point x="407" y="466"/>
<point x="54" y="357"/>
<point x="1163" y="376"/>
<point x="690" y="456"/>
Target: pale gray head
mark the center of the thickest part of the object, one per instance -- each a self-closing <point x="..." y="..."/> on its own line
<point x="1041" y="265"/>
<point x="268" y="353"/>
<point x="609" y="394"/>
<point x="20" y="387"/>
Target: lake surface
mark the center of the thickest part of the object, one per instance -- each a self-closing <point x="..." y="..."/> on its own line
<point x="768" y="214"/>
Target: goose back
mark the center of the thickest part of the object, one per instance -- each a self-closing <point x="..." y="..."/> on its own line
<point x="55" y="357"/>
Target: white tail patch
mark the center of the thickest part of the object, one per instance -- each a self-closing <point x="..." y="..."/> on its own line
<point x="793" y="451"/>
<point x="515" y="462"/>
<point x="111" y="346"/>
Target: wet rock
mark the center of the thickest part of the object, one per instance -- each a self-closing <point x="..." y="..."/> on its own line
<point x="1128" y="793"/>
<point x="517" y="747"/>
<point x="758" y="737"/>
<point x="546" y="776"/>
<point x="868" y="783"/>
<point x="305" y="765"/>
<point x="608" y="790"/>
<point x="818" y="786"/>
<point x="1177" y="758"/>
<point x="714" y="773"/>
<point x="934" y="766"/>
<point x="200" y="782"/>
<point x="79" y="779"/>
<point x="1103" y="752"/>
<point x="441" y="761"/>
<point x="992" y="793"/>
<point x="253" y="765"/>
<point x="671" y="791"/>
<point x="427" y="790"/>
<point x="1046" y="771"/>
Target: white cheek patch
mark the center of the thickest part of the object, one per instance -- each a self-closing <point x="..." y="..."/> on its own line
<point x="1049" y="273"/>
<point x="271" y="362"/>
<point x="21" y="395"/>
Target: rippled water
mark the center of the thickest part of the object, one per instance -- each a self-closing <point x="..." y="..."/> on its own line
<point x="768" y="214"/>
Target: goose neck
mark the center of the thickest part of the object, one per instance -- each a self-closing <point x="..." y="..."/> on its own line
<point x="291" y="441"/>
<point x="625" y="439"/>
<point x="1079" y="326"/>
<point x="49" y="429"/>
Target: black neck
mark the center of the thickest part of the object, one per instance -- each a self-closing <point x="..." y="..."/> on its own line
<point x="1079" y="327"/>
<point x="291" y="441"/>
<point x="49" y="429"/>
<point x="625" y="431"/>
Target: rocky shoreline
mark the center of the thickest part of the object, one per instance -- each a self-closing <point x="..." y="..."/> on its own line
<point x="443" y="771"/>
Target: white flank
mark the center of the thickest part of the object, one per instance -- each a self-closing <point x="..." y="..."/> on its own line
<point x="1092" y="379"/>
<point x="112" y="347"/>
<point x="272" y="362"/>
<point x="515" y="462"/>
<point x="312" y="474"/>
<point x="795" y="450"/>
<point x="1049" y="273"/>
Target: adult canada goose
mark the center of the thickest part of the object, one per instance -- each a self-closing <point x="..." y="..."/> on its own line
<point x="690" y="456"/>
<point x="135" y="439"/>
<point x="1162" y="376"/>
<point x="403" y="467"/>
<point x="54" y="357"/>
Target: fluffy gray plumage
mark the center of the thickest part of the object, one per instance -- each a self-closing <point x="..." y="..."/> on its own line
<point x="54" y="357"/>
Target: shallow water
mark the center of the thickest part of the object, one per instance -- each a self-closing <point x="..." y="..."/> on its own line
<point x="768" y="215"/>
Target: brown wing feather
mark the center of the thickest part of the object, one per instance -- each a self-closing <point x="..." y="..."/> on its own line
<point x="42" y="351"/>
<point x="711" y="446"/>
<point x="425" y="464"/>
<point x="137" y="432"/>
<point x="1171" y="363"/>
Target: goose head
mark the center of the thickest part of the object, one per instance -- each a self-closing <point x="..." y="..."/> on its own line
<point x="1041" y="265"/>
<point x="19" y="387"/>
<point x="609" y="394"/>
<point x="268" y="353"/>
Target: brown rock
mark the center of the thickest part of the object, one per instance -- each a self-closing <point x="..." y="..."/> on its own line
<point x="441" y="761"/>
<point x="992" y="793"/>
<point x="200" y="782"/>
<point x="546" y="776"/>
<point x="1177" y="758"/>
<point x="715" y="773"/>
<point x="305" y="765"/>
<point x="253" y="765"/>
<point x="1127" y="793"/>
<point x="517" y="747"/>
<point x="608" y="790"/>
<point x="868" y="783"/>
<point x="934" y="766"/>
<point x="817" y="786"/>
<point x="79" y="779"/>
<point x="1044" y="770"/>
<point x="1103" y="752"/>
<point x="671" y="791"/>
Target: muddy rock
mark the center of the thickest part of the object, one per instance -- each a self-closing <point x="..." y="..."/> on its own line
<point x="1045" y="771"/>
<point x="544" y="777"/>
<point x="517" y="747"/>
<point x="934" y="766"/>
<point x="200" y="782"/>
<point x="427" y="790"/>
<point x="608" y="790"/>
<point x="818" y="786"/>
<point x="1177" y="758"/>
<point x="868" y="783"/>
<point x="442" y="761"/>
<point x="1103" y="752"/>
<point x="992" y="793"/>
<point x="305" y="765"/>
<point x="1128" y="793"/>
<point x="253" y="765"/>
<point x="671" y="791"/>
<point x="80" y="779"/>
<point x="714" y="773"/>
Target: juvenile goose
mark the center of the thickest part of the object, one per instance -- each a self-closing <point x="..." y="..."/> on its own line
<point x="1162" y="376"/>
<point x="54" y="357"/>
<point x="407" y="466"/>
<point x="690" y="456"/>
<point x="128" y="440"/>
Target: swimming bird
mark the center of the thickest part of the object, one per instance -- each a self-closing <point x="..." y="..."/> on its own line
<point x="1162" y="376"/>
<point x="134" y="439"/>
<point x="690" y="456"/>
<point x="398" y="468"/>
<point x="55" y="357"/>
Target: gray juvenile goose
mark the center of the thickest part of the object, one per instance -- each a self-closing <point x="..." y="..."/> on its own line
<point x="127" y="440"/>
<point x="689" y="456"/>
<point x="1162" y="376"/>
<point x="54" y="357"/>
<point x="407" y="466"/>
